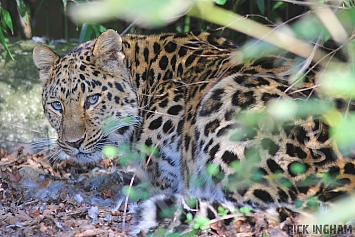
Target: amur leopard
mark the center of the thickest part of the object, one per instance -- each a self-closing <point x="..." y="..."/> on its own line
<point x="186" y="96"/>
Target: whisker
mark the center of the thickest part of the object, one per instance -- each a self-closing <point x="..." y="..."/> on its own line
<point x="48" y="146"/>
<point x="53" y="156"/>
<point x="44" y="142"/>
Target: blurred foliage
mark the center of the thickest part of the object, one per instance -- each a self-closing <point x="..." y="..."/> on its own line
<point x="304" y="31"/>
<point x="88" y="31"/>
<point x="6" y="22"/>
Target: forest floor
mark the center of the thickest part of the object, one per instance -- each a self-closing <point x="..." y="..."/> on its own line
<point x="60" y="199"/>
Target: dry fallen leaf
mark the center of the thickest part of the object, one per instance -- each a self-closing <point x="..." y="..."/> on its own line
<point x="3" y="152"/>
<point x="14" y="176"/>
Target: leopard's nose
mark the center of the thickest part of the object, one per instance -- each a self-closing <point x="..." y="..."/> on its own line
<point x="75" y="144"/>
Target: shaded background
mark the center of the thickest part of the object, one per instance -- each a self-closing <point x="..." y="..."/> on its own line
<point x="48" y="19"/>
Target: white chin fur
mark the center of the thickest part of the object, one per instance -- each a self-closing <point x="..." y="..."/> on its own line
<point x="82" y="158"/>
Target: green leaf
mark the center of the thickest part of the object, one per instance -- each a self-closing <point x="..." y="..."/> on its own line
<point x="102" y="28"/>
<point x="343" y="133"/>
<point x="282" y="109"/>
<point x="297" y="168"/>
<point x="246" y="210"/>
<point x="40" y="5"/>
<point x="131" y="192"/>
<point x="64" y="3"/>
<point x="98" y="29"/>
<point x="153" y="13"/>
<point x="148" y="150"/>
<point x="277" y="5"/>
<point x="221" y="2"/>
<point x="261" y="6"/>
<point x="85" y="32"/>
<point x="189" y="217"/>
<point x="236" y="165"/>
<point x="2" y="40"/>
<point x="338" y="81"/>
<point x="222" y="211"/>
<point x="7" y="19"/>
<point x="285" y="183"/>
<point x="127" y="156"/>
<point x="22" y="7"/>
<point x="201" y="223"/>
<point x="24" y="11"/>
<point x="212" y="169"/>
<point x="257" y="176"/>
<point x="298" y="203"/>
<point x="110" y="151"/>
<point x="191" y="202"/>
<point x="312" y="202"/>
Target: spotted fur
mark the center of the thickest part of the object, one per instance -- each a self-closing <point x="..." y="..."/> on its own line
<point x="185" y="96"/>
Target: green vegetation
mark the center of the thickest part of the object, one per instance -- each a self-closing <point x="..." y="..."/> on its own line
<point x="6" y="22"/>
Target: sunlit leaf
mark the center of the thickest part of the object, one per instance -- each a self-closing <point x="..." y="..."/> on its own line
<point x="110" y="151"/>
<point x="282" y="109"/>
<point x="212" y="169"/>
<point x="246" y="209"/>
<point x="277" y="5"/>
<point x="148" y="150"/>
<point x="222" y="211"/>
<point x="338" y="81"/>
<point x="252" y="49"/>
<point x="152" y="13"/>
<point x="201" y="223"/>
<point x="287" y="109"/>
<point x="343" y="133"/>
<point x="221" y="2"/>
<point x="127" y="156"/>
<point x="131" y="193"/>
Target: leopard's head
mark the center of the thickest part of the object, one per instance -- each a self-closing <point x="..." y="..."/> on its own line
<point x="87" y="96"/>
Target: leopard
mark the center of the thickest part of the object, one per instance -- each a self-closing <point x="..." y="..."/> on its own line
<point x="204" y="112"/>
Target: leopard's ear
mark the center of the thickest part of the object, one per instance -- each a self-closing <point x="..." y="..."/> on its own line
<point x="107" y="51"/>
<point x="44" y="59"/>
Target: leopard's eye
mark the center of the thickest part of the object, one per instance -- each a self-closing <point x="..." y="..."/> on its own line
<point x="56" y="105"/>
<point x="93" y="99"/>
